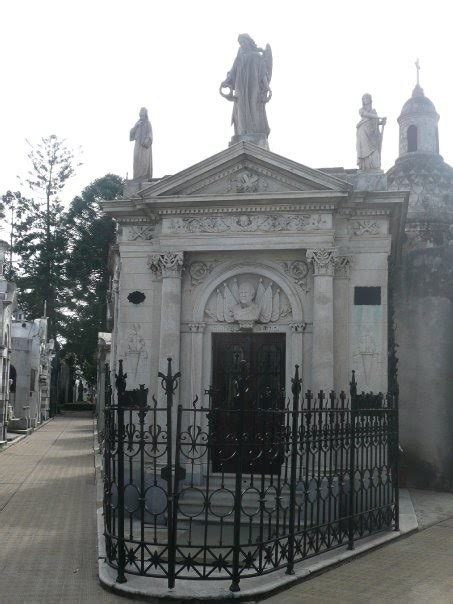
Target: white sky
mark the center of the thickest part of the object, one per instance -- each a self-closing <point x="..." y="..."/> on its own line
<point x="82" y="69"/>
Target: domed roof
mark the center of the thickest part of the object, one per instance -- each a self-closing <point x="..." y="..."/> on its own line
<point x="418" y="103"/>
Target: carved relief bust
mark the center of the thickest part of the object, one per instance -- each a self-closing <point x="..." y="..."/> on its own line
<point x="246" y="309"/>
<point x="248" y="301"/>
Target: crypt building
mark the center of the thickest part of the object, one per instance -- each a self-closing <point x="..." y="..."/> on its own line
<point x="251" y="256"/>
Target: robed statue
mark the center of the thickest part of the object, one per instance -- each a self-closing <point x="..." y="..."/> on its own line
<point x="248" y="83"/>
<point x="142" y="134"/>
<point x="369" y="137"/>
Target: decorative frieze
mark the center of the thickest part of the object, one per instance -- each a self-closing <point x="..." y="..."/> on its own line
<point x="246" y="223"/>
<point x="167" y="264"/>
<point x="323" y="261"/>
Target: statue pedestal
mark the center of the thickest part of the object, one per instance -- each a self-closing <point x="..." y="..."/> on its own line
<point x="257" y="139"/>
<point x="371" y="180"/>
<point x="132" y="187"/>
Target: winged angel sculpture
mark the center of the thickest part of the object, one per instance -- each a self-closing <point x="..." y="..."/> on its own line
<point x="248" y="83"/>
<point x="243" y="304"/>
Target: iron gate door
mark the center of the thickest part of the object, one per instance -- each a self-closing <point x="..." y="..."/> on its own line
<point x="265" y="357"/>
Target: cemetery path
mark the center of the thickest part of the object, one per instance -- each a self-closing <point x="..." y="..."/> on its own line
<point x="414" y="570"/>
<point x="48" y="550"/>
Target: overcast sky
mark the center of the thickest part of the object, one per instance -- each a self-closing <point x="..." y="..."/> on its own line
<point x="82" y="69"/>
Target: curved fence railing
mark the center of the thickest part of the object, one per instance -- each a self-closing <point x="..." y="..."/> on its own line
<point x="248" y="488"/>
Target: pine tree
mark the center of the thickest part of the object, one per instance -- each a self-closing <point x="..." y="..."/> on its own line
<point x="40" y="236"/>
<point x="87" y="272"/>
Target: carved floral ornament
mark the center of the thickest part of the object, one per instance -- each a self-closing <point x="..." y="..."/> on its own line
<point x="323" y="261"/>
<point x="168" y="264"/>
<point x="327" y="262"/>
<point x="247" y="181"/>
<point x="198" y="271"/>
<point x="299" y="271"/>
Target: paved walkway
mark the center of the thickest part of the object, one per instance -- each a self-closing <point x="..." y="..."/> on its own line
<point x="416" y="569"/>
<point x="47" y="516"/>
<point x="48" y="534"/>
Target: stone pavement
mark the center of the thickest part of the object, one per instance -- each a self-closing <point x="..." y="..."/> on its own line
<point x="415" y="569"/>
<point x="48" y="534"/>
<point x="47" y="516"/>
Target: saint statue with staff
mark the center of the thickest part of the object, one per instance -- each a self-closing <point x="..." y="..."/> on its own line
<point x="369" y="137"/>
<point x="142" y="134"/>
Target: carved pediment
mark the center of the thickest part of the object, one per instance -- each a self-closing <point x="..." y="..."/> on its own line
<point x="244" y="169"/>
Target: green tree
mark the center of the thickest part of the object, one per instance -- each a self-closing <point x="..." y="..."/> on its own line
<point x="87" y="271"/>
<point x="40" y="236"/>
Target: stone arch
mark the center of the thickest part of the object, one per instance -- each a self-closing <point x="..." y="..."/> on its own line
<point x="233" y="270"/>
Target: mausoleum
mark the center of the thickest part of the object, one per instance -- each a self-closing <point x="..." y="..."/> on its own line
<point x="250" y="249"/>
<point x="269" y="285"/>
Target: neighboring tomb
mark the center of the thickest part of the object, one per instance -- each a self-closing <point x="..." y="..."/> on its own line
<point x="31" y="357"/>
<point x="7" y="307"/>
<point x="424" y="298"/>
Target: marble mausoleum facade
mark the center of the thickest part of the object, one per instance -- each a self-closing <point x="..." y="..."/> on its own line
<point x="248" y="244"/>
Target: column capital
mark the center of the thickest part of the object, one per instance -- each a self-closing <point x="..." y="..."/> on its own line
<point x="322" y="261"/>
<point x="297" y="327"/>
<point x="197" y="327"/>
<point x="342" y="266"/>
<point x="167" y="264"/>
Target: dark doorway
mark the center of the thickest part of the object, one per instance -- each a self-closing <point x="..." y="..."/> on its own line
<point x="265" y="358"/>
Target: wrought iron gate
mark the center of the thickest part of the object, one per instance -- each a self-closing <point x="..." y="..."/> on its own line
<point x="327" y="476"/>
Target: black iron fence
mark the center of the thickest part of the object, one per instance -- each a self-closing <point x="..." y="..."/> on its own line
<point x="245" y="489"/>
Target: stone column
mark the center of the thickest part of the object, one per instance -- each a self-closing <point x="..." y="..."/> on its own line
<point x="323" y="262"/>
<point x="341" y="324"/>
<point x="169" y="265"/>
<point x="196" y="361"/>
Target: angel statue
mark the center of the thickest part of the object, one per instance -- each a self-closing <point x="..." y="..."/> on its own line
<point x="247" y="305"/>
<point x="248" y="82"/>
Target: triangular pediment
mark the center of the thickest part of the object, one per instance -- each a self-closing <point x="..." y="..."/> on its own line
<point x="244" y="168"/>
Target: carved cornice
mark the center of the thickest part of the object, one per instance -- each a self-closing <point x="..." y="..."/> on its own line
<point x="167" y="264"/>
<point x="139" y="220"/>
<point x="354" y="212"/>
<point x="242" y="209"/>
<point x="323" y="261"/>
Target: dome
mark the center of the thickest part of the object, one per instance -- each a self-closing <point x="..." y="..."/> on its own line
<point x="418" y="103"/>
